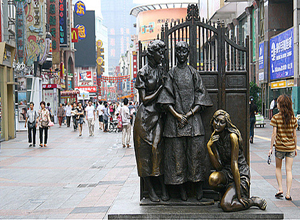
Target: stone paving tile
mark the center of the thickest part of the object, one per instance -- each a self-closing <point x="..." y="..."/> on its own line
<point x="95" y="209"/>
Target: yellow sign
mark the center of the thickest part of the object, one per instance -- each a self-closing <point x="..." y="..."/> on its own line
<point x="80" y="8"/>
<point x="99" y="61"/>
<point x="99" y="43"/>
<point x="81" y="31"/>
<point x="278" y="84"/>
<point x="290" y="82"/>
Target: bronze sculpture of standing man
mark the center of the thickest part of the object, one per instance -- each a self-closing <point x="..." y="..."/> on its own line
<point x="184" y="97"/>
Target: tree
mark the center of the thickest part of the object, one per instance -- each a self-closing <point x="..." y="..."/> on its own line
<point x="255" y="92"/>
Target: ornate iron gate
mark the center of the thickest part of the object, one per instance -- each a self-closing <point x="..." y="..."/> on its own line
<point x="221" y="62"/>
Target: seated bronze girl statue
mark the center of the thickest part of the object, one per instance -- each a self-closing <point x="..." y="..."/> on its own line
<point x="226" y="155"/>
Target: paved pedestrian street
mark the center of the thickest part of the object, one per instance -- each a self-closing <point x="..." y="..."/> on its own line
<point x="81" y="177"/>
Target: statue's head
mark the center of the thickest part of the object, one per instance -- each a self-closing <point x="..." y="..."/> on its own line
<point x="182" y="51"/>
<point x="155" y="51"/>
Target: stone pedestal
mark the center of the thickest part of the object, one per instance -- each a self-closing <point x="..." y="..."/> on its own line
<point x="131" y="209"/>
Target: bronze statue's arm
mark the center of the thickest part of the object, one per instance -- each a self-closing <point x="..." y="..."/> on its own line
<point x="213" y="155"/>
<point x="193" y="111"/>
<point x="234" y="165"/>
<point x="146" y="99"/>
<point x="178" y="116"/>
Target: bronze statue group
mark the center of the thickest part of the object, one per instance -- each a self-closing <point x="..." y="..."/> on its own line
<point x="169" y="136"/>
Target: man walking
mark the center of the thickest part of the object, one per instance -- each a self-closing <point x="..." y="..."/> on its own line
<point x="126" y="132"/>
<point x="31" y="119"/>
<point x="68" y="113"/>
<point x="90" y="117"/>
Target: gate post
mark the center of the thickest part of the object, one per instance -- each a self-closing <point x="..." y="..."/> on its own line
<point x="221" y="65"/>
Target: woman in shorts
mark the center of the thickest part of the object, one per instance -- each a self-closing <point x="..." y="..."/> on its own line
<point x="285" y="141"/>
<point x="80" y="117"/>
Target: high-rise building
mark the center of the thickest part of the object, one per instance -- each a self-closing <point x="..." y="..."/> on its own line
<point x="117" y="19"/>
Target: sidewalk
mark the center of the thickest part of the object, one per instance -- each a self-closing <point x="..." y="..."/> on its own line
<point x="80" y="177"/>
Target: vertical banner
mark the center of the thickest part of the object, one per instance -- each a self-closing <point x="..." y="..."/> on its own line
<point x="0" y="22"/>
<point x="282" y="55"/>
<point x="53" y="21"/>
<point x="63" y="23"/>
<point x="134" y="64"/>
<point x="20" y="31"/>
<point x="261" y="55"/>
<point x="253" y="36"/>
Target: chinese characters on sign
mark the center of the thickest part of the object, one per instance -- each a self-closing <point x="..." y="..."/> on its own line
<point x="79" y="8"/>
<point x="81" y="31"/>
<point x="282" y="55"/>
<point x="53" y="22"/>
<point x="20" y="31"/>
<point x="63" y="23"/>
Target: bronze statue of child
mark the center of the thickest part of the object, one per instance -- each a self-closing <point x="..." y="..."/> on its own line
<point x="184" y="97"/>
<point x="226" y="155"/>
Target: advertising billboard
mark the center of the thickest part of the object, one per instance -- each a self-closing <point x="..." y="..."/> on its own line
<point x="261" y="55"/>
<point x="53" y="14"/>
<point x="150" y="22"/>
<point x="85" y="55"/>
<point x="63" y="23"/>
<point x="282" y="55"/>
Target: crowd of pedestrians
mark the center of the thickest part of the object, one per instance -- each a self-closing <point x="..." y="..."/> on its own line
<point x="111" y="116"/>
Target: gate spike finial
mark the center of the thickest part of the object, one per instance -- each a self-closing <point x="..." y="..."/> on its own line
<point x="202" y="20"/>
<point x="162" y="28"/>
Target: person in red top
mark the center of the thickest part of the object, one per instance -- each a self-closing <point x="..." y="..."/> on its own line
<point x="284" y="136"/>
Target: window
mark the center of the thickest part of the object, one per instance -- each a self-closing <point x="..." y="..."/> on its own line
<point x="261" y="16"/>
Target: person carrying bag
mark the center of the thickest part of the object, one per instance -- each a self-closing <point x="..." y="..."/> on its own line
<point x="31" y="122"/>
<point x="44" y="120"/>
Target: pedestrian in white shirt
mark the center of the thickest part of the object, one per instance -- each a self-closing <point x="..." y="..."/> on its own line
<point x="118" y="108"/>
<point x="68" y="113"/>
<point x="90" y="117"/>
<point x="100" y="113"/>
<point x="126" y="132"/>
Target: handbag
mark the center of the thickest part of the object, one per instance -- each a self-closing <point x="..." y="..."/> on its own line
<point x="31" y="125"/>
<point x="51" y="124"/>
<point x="45" y="124"/>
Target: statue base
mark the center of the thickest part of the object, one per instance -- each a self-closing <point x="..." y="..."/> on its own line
<point x="178" y="202"/>
<point x="128" y="208"/>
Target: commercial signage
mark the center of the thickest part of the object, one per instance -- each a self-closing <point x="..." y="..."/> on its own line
<point x="253" y="36"/>
<point x="261" y="55"/>
<point x="74" y="35"/>
<point x="91" y="89"/>
<point x="282" y="55"/>
<point x="81" y="31"/>
<point x="86" y="75"/>
<point x="134" y="55"/>
<point x="20" y="31"/>
<point x="51" y="86"/>
<point x="79" y="8"/>
<point x="150" y="22"/>
<point x="63" y="23"/>
<point x="282" y="84"/>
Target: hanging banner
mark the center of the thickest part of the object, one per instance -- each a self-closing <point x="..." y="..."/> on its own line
<point x="20" y="31"/>
<point x="261" y="55"/>
<point x="63" y="23"/>
<point x="134" y="64"/>
<point x="282" y="55"/>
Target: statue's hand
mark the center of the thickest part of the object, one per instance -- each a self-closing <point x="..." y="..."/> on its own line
<point x="215" y="137"/>
<point x="182" y="120"/>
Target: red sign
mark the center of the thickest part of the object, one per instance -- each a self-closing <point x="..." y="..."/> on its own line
<point x="89" y="74"/>
<point x="91" y="89"/>
<point x="134" y="64"/>
<point x="74" y="33"/>
<point x="51" y="86"/>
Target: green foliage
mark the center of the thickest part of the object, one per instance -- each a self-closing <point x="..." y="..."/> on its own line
<point x="255" y="92"/>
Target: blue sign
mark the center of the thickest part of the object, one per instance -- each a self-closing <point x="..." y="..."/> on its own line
<point x="261" y="55"/>
<point x="282" y="55"/>
<point x="80" y="8"/>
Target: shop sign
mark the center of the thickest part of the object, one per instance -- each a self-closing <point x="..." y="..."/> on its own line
<point x="261" y="55"/>
<point x="74" y="34"/>
<point x="134" y="64"/>
<point x="99" y="43"/>
<point x="63" y="23"/>
<point x="53" y="9"/>
<point x="282" y="55"/>
<point x="20" y="31"/>
<point x="253" y="35"/>
<point x="91" y="89"/>
<point x="81" y="31"/>
<point x="278" y="84"/>
<point x="79" y="8"/>
<point x="51" y="86"/>
<point x="289" y="82"/>
<point x="85" y="83"/>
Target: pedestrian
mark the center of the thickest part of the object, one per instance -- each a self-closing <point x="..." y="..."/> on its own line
<point x="68" y="113"/>
<point x="74" y="115"/>
<point x="44" y="119"/>
<point x="126" y="131"/>
<point x="105" y="117"/>
<point x="273" y="108"/>
<point x="31" y="118"/>
<point x="50" y="111"/>
<point x="90" y="117"/>
<point x="60" y="114"/>
<point x="253" y="112"/>
<point x="111" y="109"/>
<point x="284" y="138"/>
<point x="80" y="117"/>
<point x="100" y="113"/>
<point x="118" y="107"/>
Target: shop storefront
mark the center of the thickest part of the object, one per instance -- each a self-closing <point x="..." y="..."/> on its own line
<point x="51" y="94"/>
<point x="69" y="96"/>
<point x="7" y="84"/>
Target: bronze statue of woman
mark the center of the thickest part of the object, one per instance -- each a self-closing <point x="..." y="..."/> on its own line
<point x="148" y="126"/>
<point x="232" y="177"/>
